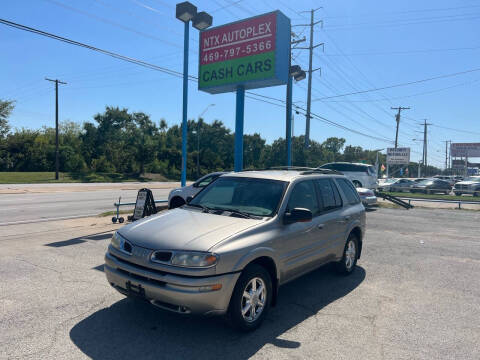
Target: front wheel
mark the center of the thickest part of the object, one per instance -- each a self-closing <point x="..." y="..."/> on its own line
<point x="350" y="255"/>
<point x="251" y="298"/>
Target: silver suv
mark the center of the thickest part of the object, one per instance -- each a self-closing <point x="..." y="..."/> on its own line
<point x="228" y="250"/>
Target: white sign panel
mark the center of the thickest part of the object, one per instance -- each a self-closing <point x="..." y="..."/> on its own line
<point x="140" y="205"/>
<point x="398" y="156"/>
<point x="465" y="149"/>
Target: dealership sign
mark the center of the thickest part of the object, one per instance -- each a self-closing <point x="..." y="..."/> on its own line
<point x="398" y="156"/>
<point x="465" y="149"/>
<point x="252" y="53"/>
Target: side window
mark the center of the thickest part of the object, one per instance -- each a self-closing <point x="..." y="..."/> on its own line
<point x="304" y="196"/>
<point x="338" y="198"/>
<point x="349" y="191"/>
<point x="206" y="181"/>
<point x="329" y="199"/>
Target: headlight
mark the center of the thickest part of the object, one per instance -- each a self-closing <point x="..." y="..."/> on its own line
<point x="119" y="243"/>
<point x="194" y="259"/>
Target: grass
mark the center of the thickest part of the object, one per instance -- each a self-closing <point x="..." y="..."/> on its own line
<point x="49" y="177"/>
<point x="434" y="196"/>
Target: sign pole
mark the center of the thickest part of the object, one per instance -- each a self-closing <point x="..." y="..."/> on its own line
<point x="288" y="134"/>
<point x="240" y="109"/>
<point x="185" y="104"/>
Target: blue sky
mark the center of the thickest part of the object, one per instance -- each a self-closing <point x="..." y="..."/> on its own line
<point x="368" y="44"/>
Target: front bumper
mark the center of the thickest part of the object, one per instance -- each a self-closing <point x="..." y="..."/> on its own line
<point x="178" y="293"/>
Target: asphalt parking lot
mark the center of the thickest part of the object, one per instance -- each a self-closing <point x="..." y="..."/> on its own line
<point x="414" y="295"/>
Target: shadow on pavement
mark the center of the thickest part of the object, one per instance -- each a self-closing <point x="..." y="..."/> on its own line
<point x="138" y="330"/>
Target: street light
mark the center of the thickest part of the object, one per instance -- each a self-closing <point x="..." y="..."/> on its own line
<point x="197" y="132"/>
<point x="295" y="72"/>
<point x="187" y="12"/>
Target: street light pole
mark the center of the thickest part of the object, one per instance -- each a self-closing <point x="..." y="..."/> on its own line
<point x="185" y="12"/>
<point x="185" y="103"/>
<point x="198" y="138"/>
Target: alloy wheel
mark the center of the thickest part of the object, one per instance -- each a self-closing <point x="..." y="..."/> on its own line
<point x="253" y="299"/>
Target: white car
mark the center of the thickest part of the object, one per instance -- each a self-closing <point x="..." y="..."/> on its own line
<point x="361" y="175"/>
<point x="178" y="197"/>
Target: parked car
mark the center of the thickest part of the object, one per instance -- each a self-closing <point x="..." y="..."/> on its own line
<point x="446" y="178"/>
<point x="431" y="186"/>
<point x="230" y="248"/>
<point x="471" y="185"/>
<point x="178" y="197"/>
<point x="367" y="196"/>
<point x="396" y="185"/>
<point x="361" y="175"/>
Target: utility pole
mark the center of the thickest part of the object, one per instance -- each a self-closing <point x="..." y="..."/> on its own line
<point x="310" y="72"/>
<point x="425" y="164"/>
<point x="446" y="155"/>
<point x="397" y="118"/>
<point x="57" y="163"/>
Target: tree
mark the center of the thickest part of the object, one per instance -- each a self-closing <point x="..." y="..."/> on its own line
<point x="6" y="108"/>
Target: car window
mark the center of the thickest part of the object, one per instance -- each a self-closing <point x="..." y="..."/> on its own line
<point x="205" y="181"/>
<point x="329" y="199"/>
<point x="304" y="196"/>
<point x="349" y="190"/>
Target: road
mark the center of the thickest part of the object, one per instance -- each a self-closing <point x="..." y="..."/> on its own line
<point x="414" y="295"/>
<point x="34" y="203"/>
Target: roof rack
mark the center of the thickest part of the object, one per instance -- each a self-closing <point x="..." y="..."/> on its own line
<point x="292" y="168"/>
<point x="321" y="171"/>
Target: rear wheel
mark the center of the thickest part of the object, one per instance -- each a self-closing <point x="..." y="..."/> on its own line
<point x="251" y="298"/>
<point x="350" y="255"/>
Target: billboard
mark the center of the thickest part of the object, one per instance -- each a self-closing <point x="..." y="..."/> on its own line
<point x="398" y="156"/>
<point x="253" y="52"/>
<point x="465" y="149"/>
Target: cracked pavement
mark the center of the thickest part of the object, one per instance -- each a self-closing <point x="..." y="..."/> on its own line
<point x="414" y="295"/>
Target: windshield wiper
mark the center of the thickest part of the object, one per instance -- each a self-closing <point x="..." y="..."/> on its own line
<point x="241" y="213"/>
<point x="203" y="207"/>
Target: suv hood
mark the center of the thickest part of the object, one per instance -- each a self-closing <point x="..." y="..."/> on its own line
<point x="182" y="229"/>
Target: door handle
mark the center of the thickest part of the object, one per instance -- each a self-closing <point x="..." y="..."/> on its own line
<point x="320" y="226"/>
<point x="345" y="219"/>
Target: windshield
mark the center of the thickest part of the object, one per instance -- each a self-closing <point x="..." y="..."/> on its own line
<point x="390" y="181"/>
<point x="253" y="196"/>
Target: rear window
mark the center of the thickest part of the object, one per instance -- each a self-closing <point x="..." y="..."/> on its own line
<point x="349" y="190"/>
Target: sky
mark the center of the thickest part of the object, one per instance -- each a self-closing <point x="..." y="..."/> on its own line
<point x="368" y="45"/>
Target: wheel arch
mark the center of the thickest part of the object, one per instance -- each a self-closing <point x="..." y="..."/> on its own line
<point x="357" y="231"/>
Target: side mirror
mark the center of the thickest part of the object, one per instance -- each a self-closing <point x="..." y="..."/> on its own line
<point x="297" y="215"/>
<point x="189" y="198"/>
<point x="195" y="185"/>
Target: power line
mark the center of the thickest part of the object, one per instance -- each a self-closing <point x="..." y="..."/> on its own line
<point x="401" y="84"/>
<point x="105" y="52"/>
<point x="406" y="51"/>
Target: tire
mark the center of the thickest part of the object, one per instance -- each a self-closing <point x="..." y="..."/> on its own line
<point x="246" y="320"/>
<point x="357" y="183"/>
<point x="121" y="220"/>
<point x="114" y="219"/>
<point x="347" y="265"/>
<point x="176" y="202"/>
